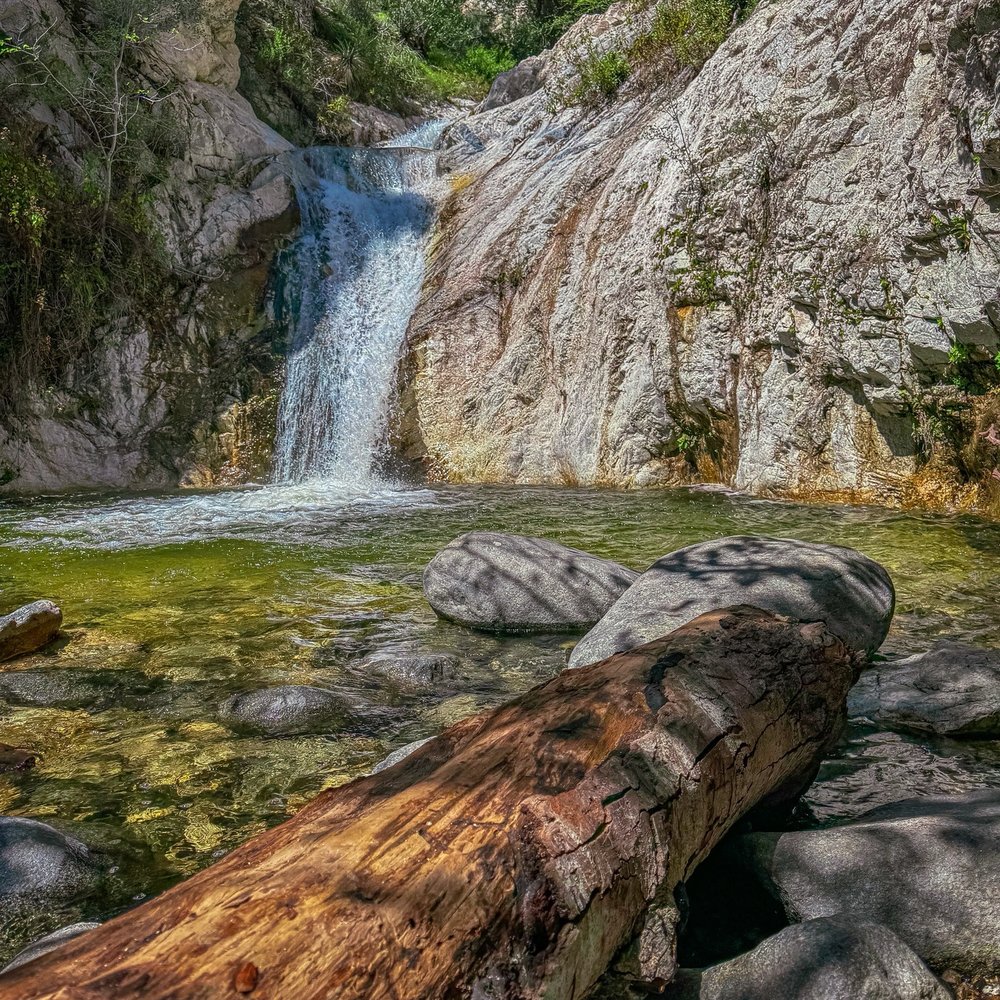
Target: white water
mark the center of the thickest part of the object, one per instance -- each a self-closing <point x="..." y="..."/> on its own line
<point x="349" y="286"/>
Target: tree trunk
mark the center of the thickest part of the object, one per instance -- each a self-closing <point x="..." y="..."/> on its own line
<point x="512" y="857"/>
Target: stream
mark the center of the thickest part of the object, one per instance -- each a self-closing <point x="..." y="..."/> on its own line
<point x="172" y="602"/>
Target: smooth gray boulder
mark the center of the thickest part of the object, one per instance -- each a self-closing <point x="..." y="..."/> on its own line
<point x="926" y="868"/>
<point x="504" y="583"/>
<point x="848" y="591"/>
<point x="952" y="690"/>
<point x="413" y="670"/>
<point x="29" y="628"/>
<point x="830" y="958"/>
<point x="48" y="943"/>
<point x="285" y="710"/>
<point x="66" y="687"/>
<point x="40" y="864"/>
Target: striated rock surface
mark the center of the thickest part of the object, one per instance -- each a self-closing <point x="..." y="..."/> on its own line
<point x="952" y="690"/>
<point x="852" y="594"/>
<point x="756" y="273"/>
<point x="504" y="583"/>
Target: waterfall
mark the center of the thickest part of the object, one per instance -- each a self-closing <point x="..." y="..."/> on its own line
<point x="346" y="290"/>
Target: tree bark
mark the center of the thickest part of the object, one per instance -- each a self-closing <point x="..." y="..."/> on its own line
<point x="512" y="857"/>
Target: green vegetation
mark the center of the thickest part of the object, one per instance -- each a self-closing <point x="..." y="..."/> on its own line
<point x="954" y="226"/>
<point x="77" y="249"/>
<point x="683" y="32"/>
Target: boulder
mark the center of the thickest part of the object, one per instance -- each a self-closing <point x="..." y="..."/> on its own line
<point x="503" y="583"/>
<point x="519" y="81"/>
<point x="39" y="864"/>
<point x="28" y="628"/>
<point x="952" y="690"/>
<point x="830" y="958"/>
<point x="286" y="710"/>
<point x="926" y="868"/>
<point x="400" y="754"/>
<point x="48" y="943"/>
<point x="413" y="670"/>
<point x="806" y="581"/>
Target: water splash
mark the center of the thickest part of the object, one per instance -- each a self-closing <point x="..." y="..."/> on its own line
<point x="347" y="289"/>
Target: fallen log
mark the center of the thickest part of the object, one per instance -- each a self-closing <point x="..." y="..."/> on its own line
<point x="512" y="857"/>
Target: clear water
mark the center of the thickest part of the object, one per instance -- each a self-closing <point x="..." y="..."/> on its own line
<point x="173" y="602"/>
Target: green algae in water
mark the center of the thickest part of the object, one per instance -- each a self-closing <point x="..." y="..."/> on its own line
<point x="174" y="602"/>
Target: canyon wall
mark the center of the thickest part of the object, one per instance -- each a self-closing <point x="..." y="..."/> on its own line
<point x="777" y="271"/>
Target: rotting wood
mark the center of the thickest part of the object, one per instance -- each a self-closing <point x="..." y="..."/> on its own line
<point x="512" y="857"/>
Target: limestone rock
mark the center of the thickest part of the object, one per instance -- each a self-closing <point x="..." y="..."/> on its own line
<point x="952" y="690"/>
<point x="517" y="82"/>
<point x="801" y="580"/>
<point x="742" y="274"/>
<point x="38" y="864"/>
<point x="925" y="867"/>
<point x="510" y="583"/>
<point x="286" y="710"/>
<point x="830" y="958"/>
<point x="29" y="628"/>
<point x="48" y="943"/>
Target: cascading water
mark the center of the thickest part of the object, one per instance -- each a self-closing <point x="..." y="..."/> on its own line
<point x="347" y="289"/>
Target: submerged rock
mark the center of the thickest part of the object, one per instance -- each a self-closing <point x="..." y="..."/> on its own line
<point x="953" y="690"/>
<point x="848" y="591"/>
<point x="926" y="868"/>
<point x="413" y="670"/>
<point x="48" y="943"/>
<point x="286" y="710"/>
<point x="28" y="629"/>
<point x="504" y="583"/>
<point x="63" y="687"/>
<point x="16" y="758"/>
<point x="830" y="958"/>
<point x="39" y="864"/>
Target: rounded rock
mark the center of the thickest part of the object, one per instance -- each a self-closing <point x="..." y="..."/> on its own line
<point x="852" y="594"/>
<point x="285" y="710"/>
<point x="512" y="584"/>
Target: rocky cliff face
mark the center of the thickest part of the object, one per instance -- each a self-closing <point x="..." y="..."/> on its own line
<point x="185" y="397"/>
<point x="778" y="272"/>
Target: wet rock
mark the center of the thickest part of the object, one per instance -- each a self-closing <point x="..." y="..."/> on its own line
<point x="64" y="687"/>
<point x="848" y="591"/>
<point x="28" y="629"/>
<point x="38" y="864"/>
<point x="401" y="754"/>
<point x="16" y="758"/>
<point x="510" y="583"/>
<point x="830" y="958"/>
<point x="413" y="670"/>
<point x="952" y="690"/>
<point x="48" y="943"/>
<point x="286" y="710"/>
<point x="926" y="868"/>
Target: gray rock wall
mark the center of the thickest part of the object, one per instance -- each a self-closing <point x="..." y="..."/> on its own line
<point x="753" y="273"/>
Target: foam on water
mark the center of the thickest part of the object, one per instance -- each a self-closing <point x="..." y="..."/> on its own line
<point x="286" y="513"/>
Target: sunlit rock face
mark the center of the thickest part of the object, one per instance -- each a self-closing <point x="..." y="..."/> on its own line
<point x="753" y="273"/>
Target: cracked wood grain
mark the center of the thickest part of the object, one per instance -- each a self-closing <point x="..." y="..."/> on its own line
<point x="512" y="857"/>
